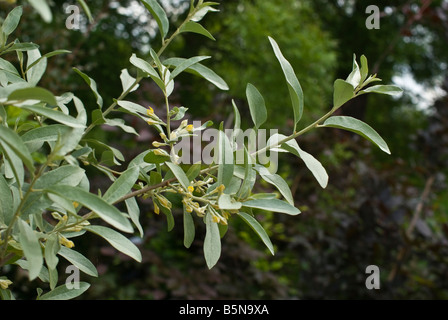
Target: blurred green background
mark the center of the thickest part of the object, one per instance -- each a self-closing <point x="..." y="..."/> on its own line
<point x="389" y="211"/>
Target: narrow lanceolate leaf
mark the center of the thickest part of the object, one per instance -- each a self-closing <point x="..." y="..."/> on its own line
<point x="195" y="27"/>
<point x="117" y="240"/>
<point x="212" y="241"/>
<point x="295" y="90"/>
<point x="12" y="21"/>
<point x="225" y="160"/>
<point x="134" y="213"/>
<point x="259" y="230"/>
<point x="79" y="261"/>
<point x="384" y="89"/>
<point x="310" y="161"/>
<point x="343" y="92"/>
<point x="104" y="210"/>
<point x="144" y="66"/>
<point x="31" y="249"/>
<point x="52" y="247"/>
<point x="187" y="64"/>
<point x="47" y="55"/>
<point x="257" y="105"/>
<point x="189" y="229"/>
<point x="64" y="292"/>
<point x="86" y="9"/>
<point x="6" y="202"/>
<point x="64" y="175"/>
<point x="34" y="93"/>
<point x="364" y="68"/>
<point x="15" y="143"/>
<point x="179" y="174"/>
<point x="358" y="127"/>
<point x="276" y="181"/>
<point x="122" y="185"/>
<point x="55" y="115"/>
<point x="274" y="205"/>
<point x="200" y="70"/>
<point x="92" y="84"/>
<point x="159" y="14"/>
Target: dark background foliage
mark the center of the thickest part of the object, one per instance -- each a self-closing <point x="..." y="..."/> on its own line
<point x="390" y="211"/>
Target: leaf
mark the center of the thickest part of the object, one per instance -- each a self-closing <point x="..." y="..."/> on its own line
<point x="117" y="240"/>
<point x="194" y="171"/>
<point x="63" y="175"/>
<point x="127" y="81"/>
<point x="13" y="165"/>
<point x="277" y="181"/>
<point x="34" y="93"/>
<point x="225" y="202"/>
<point x="92" y="84"/>
<point x="86" y="9"/>
<point x="10" y="139"/>
<point x="104" y="210"/>
<point x="31" y="249"/>
<point x="57" y="116"/>
<point x="43" y="9"/>
<point x="34" y="74"/>
<point x="200" y="70"/>
<point x="134" y="213"/>
<point x="79" y="261"/>
<point x="122" y="186"/>
<point x="144" y="66"/>
<point x="52" y="246"/>
<point x="256" y="105"/>
<point x="121" y="124"/>
<point x="384" y="89"/>
<point x="354" y="78"/>
<point x="225" y="160"/>
<point x="12" y="20"/>
<point x="25" y="46"/>
<point x="249" y="177"/>
<point x="274" y="205"/>
<point x="159" y="14"/>
<point x="343" y="92"/>
<point x="212" y="241"/>
<point x="200" y="14"/>
<point x="153" y="158"/>
<point x="64" y="293"/>
<point x="179" y="174"/>
<point x="259" y="230"/>
<point x="358" y="127"/>
<point x="364" y="68"/>
<point x="310" y="161"/>
<point x="187" y="64"/>
<point x="195" y="27"/>
<point x="295" y="90"/>
<point x="189" y="229"/>
<point x="47" y="55"/>
<point x="6" y="202"/>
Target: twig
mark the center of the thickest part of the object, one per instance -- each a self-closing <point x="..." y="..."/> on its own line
<point x="417" y="213"/>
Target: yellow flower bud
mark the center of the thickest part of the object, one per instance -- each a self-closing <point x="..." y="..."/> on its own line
<point x="4" y="283"/>
<point x="190" y="128"/>
<point x="215" y="219"/>
<point x="158" y="144"/>
<point x="156" y="208"/>
<point x="160" y="152"/>
<point x="163" y="136"/>
<point x="65" y="242"/>
<point x="150" y="111"/>
<point x="190" y="189"/>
